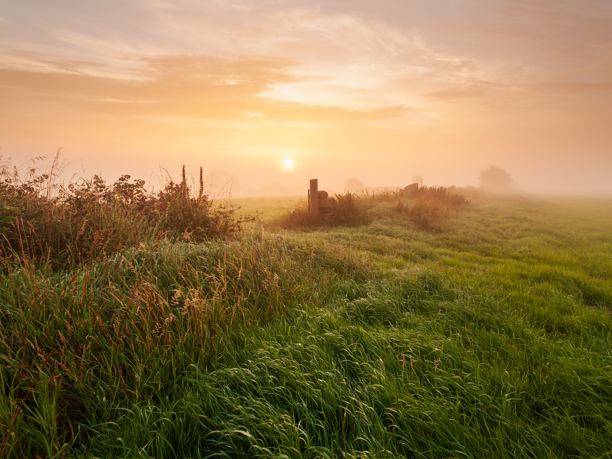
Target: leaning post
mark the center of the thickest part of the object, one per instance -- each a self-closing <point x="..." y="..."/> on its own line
<point x="314" y="196"/>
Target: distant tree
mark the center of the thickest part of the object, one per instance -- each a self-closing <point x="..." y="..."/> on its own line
<point x="354" y="184"/>
<point x="495" y="179"/>
<point x="418" y="179"/>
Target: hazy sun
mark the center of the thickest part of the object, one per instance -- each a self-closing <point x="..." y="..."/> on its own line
<point x="288" y="163"/>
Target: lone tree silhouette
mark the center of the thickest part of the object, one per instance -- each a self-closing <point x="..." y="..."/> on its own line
<point x="495" y="179"/>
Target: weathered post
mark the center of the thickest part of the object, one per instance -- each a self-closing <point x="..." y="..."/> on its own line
<point x="314" y="196"/>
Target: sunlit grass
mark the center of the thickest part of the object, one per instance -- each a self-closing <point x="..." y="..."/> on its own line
<point x="488" y="337"/>
<point x="267" y="208"/>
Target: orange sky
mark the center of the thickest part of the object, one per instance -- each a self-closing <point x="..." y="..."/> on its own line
<point x="379" y="90"/>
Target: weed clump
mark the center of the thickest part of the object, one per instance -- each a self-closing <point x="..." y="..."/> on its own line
<point x="427" y="207"/>
<point x="434" y="205"/>
<point x="348" y="210"/>
<point x="66" y="224"/>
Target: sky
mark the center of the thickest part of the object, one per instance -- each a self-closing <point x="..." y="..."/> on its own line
<point x="273" y="93"/>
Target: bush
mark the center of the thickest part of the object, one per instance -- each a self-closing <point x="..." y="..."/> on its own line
<point x="349" y="209"/>
<point x="89" y="219"/>
<point x="432" y="206"/>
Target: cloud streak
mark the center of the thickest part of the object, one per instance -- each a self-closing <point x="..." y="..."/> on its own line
<point x="176" y="86"/>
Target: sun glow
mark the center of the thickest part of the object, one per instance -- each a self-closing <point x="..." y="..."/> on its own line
<point x="288" y="163"/>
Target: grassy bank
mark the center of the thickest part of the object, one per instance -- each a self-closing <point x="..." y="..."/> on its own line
<point x="488" y="337"/>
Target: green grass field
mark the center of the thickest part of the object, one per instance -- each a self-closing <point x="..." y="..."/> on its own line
<point x="267" y="208"/>
<point x="489" y="336"/>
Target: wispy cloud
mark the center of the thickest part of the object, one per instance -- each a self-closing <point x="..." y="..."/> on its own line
<point x="176" y="86"/>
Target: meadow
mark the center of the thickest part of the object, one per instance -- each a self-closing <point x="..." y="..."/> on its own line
<point x="478" y="331"/>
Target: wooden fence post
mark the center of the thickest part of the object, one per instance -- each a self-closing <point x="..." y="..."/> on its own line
<point x="314" y="196"/>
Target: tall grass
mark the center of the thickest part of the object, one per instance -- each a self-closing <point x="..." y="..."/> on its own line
<point x="42" y="219"/>
<point x="489" y="337"/>
<point x="349" y="210"/>
<point x="121" y="331"/>
<point x="427" y="207"/>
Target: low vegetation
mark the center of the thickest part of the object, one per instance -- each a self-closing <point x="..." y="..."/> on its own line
<point x="488" y="337"/>
<point x="427" y="207"/>
<point x="87" y="219"/>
